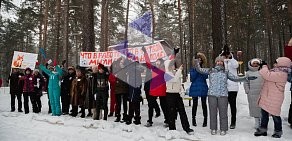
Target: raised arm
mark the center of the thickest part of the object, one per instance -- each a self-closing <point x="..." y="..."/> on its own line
<point x="59" y="70"/>
<point x="199" y="69"/>
<point x="271" y="76"/>
<point x="45" y="70"/>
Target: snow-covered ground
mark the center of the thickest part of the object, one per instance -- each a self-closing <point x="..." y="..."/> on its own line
<point x="30" y="127"/>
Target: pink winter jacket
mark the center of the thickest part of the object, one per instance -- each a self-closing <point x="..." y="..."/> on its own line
<point x="272" y="93"/>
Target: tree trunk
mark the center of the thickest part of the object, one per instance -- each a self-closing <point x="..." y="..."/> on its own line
<point x="218" y="26"/>
<point x="104" y="27"/>
<point x="66" y="28"/>
<point x="126" y="25"/>
<point x="46" y="14"/>
<point x="191" y="31"/>
<point x="88" y="26"/>
<point x="290" y="16"/>
<point x="40" y="30"/>
<point x="57" y="31"/>
<point x="268" y="27"/>
<point x="151" y="2"/>
<point x="181" y="39"/>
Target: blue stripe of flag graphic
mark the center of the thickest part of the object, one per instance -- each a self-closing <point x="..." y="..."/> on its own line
<point x="143" y="24"/>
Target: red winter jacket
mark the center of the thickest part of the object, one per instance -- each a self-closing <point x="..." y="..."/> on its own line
<point x="28" y="82"/>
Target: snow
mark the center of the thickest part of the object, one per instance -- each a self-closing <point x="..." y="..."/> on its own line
<point x="28" y="127"/>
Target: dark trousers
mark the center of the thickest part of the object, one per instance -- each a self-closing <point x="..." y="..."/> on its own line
<point x="163" y="104"/>
<point x="175" y="104"/>
<point x="121" y="98"/>
<point x="26" y="96"/>
<point x="38" y="103"/>
<point x="152" y="105"/>
<point x="101" y="103"/>
<point x="232" y="103"/>
<point x="290" y="111"/>
<point x="204" y="106"/>
<point x="134" y="109"/>
<point x="34" y="99"/>
<point x="50" y="109"/>
<point x="65" y="99"/>
<point x="18" y="100"/>
<point x="75" y="110"/>
<point x="265" y="121"/>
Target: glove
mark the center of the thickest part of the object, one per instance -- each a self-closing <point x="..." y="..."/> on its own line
<point x="176" y="50"/>
<point x="251" y="78"/>
<point x="262" y="64"/>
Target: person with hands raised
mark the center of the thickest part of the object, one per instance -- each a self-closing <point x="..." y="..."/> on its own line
<point x="218" y="92"/>
<point x="272" y="95"/>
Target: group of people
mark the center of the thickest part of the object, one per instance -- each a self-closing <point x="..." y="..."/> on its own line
<point x="90" y="88"/>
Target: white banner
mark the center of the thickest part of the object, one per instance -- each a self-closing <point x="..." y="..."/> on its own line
<point x="23" y="60"/>
<point x="154" y="51"/>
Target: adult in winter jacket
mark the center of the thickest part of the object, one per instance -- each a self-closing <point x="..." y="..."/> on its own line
<point x="231" y="65"/>
<point x="252" y="89"/>
<point x="78" y="92"/>
<point x="154" y="105"/>
<point x="121" y="88"/>
<point x="199" y="88"/>
<point x="101" y="93"/>
<point x="272" y="95"/>
<point x="66" y="84"/>
<point x="54" y="88"/>
<point x="38" y="88"/>
<point x="218" y="93"/>
<point x="157" y="86"/>
<point x="28" y="90"/>
<point x="16" y="87"/>
<point x="174" y="100"/>
<point x="135" y="83"/>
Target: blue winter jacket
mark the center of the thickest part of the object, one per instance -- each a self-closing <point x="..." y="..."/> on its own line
<point x="199" y="87"/>
<point x="218" y="79"/>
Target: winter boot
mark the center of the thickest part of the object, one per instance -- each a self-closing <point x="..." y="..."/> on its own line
<point x="82" y="113"/>
<point x="157" y="114"/>
<point x="223" y="133"/>
<point x="213" y="132"/>
<point x="128" y="120"/>
<point x="194" y="121"/>
<point x="232" y="126"/>
<point x="124" y="119"/>
<point x="111" y="114"/>
<point x="190" y="131"/>
<point x="137" y="120"/>
<point x="149" y="124"/>
<point x="277" y="134"/>
<point x="118" y="118"/>
<point x="205" y="122"/>
<point x="260" y="132"/>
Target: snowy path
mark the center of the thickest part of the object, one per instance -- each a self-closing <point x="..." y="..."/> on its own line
<point x="30" y="127"/>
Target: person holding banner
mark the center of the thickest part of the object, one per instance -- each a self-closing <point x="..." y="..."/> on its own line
<point x="15" y="88"/>
<point x="157" y="87"/>
<point x="28" y="90"/>
<point x="101" y="92"/>
<point x="54" y="88"/>
<point x="121" y="88"/>
<point x="78" y="92"/>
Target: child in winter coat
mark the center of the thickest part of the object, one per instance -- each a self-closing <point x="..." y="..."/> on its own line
<point x="272" y="95"/>
<point x="218" y="93"/>
<point x="174" y="100"/>
<point x="54" y="88"/>
<point x="252" y="89"/>
<point x="199" y="88"/>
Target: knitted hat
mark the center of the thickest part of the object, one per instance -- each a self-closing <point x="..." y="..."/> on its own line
<point x="284" y="62"/>
<point x="219" y="58"/>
